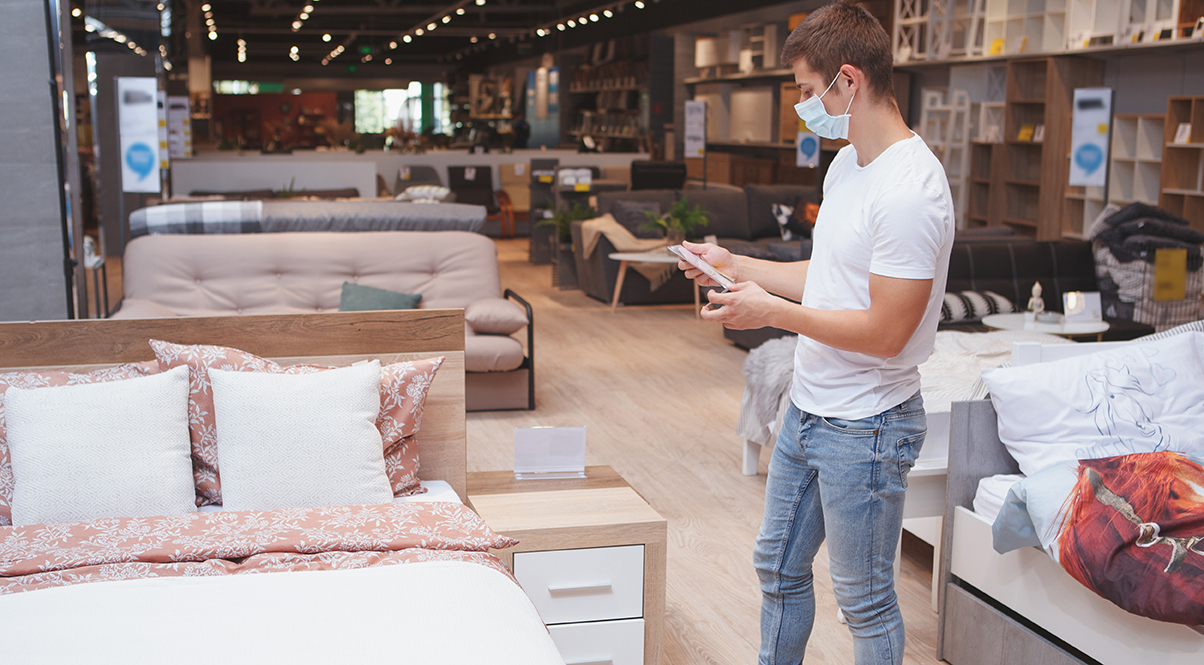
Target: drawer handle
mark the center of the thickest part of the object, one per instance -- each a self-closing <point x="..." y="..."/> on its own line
<point x="590" y="662"/>
<point x="580" y="588"/>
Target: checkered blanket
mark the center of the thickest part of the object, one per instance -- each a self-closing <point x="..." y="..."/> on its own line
<point x="203" y="217"/>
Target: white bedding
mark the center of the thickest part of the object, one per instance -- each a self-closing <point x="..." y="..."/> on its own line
<point x="992" y="491"/>
<point x="436" y="490"/>
<point x="431" y="613"/>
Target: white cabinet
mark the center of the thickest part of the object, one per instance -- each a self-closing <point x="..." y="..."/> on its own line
<point x="600" y="643"/>
<point x="592" y="584"/>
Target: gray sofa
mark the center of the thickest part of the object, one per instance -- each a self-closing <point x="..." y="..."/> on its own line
<point x="286" y="273"/>
<point x="742" y="220"/>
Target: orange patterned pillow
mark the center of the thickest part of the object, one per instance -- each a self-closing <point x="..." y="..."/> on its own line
<point x="403" y="388"/>
<point x="49" y="379"/>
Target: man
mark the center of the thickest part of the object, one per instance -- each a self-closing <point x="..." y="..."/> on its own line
<point x="870" y="302"/>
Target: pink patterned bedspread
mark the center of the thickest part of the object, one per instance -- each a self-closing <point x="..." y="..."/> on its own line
<point x="233" y="543"/>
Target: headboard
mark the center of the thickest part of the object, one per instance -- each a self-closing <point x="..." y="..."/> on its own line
<point x="329" y="338"/>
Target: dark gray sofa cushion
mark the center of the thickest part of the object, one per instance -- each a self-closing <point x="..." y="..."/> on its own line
<point x="631" y="215"/>
<point x="761" y="199"/>
<point x="727" y="210"/>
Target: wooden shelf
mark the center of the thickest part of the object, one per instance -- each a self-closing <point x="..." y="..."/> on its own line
<point x="619" y="88"/>
<point x="1184" y="192"/>
<point x="1110" y="51"/>
<point x="763" y="75"/>
<point x="1185" y="145"/>
<point x="1028" y="223"/>
<point x="1023" y="183"/>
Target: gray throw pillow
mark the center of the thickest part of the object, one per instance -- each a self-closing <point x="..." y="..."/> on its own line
<point x="631" y="215"/>
<point x="360" y="298"/>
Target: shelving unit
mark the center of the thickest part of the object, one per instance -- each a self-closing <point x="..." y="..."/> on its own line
<point x="1136" y="158"/>
<point x="1182" y="179"/>
<point x="945" y="127"/>
<point x="610" y="103"/>
<point x="1093" y="23"/>
<point x="955" y="28"/>
<point x="1024" y="26"/>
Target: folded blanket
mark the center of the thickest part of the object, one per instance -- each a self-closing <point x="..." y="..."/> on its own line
<point x="204" y="217"/>
<point x="623" y="241"/>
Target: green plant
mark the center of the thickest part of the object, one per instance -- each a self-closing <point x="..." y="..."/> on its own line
<point x="680" y="220"/>
<point x="563" y="217"/>
<point x="288" y="192"/>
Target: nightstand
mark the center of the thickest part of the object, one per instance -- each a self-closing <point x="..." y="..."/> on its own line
<point x="591" y="557"/>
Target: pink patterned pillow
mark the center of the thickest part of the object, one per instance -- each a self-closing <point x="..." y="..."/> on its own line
<point x="403" y="388"/>
<point x="49" y="379"/>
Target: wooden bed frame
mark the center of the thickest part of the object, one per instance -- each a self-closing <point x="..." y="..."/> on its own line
<point x="331" y="338"/>
<point x="1021" y="607"/>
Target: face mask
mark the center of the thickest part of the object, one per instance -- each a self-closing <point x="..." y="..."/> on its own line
<point x="813" y="113"/>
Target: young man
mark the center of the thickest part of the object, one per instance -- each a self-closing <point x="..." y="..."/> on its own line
<point x="870" y="301"/>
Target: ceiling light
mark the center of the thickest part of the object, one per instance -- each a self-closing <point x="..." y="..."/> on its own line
<point x="206" y="7"/>
<point x="639" y="4"/>
<point x="407" y="39"/>
<point x="460" y="12"/>
<point x="213" y="36"/>
<point x="304" y="16"/>
<point x="431" y="26"/>
<point x="540" y="32"/>
<point x="560" y="27"/>
<point x="388" y="61"/>
<point x="77" y="12"/>
<point x="593" y="17"/>
<point x="392" y="44"/>
<point x="294" y="49"/>
<point x="418" y="32"/>
<point x="572" y="23"/>
<point x="447" y="19"/>
<point x="493" y="35"/>
<point x="296" y="25"/>
<point x="480" y="2"/>
<point x="208" y="14"/>
<point x="326" y="37"/>
<point x="607" y="13"/>
<point x="308" y="8"/>
<point x="473" y="39"/>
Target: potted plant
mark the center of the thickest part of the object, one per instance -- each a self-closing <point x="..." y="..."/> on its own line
<point x="678" y="222"/>
<point x="564" y="266"/>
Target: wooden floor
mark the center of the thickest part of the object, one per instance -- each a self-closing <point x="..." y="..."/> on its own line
<point x="659" y="393"/>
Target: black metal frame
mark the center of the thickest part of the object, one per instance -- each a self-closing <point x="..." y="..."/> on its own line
<point x="530" y="361"/>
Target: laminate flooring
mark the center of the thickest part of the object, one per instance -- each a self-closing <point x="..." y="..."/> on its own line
<point x="659" y="393"/>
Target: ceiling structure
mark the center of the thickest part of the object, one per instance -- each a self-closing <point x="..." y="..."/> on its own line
<point x="372" y="33"/>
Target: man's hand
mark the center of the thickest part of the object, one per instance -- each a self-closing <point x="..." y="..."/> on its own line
<point x="720" y="258"/>
<point x="745" y="307"/>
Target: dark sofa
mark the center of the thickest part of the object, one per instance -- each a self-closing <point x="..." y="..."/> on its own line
<point x="742" y="220"/>
<point x="1007" y="265"/>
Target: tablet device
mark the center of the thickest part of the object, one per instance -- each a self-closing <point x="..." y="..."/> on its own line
<point x="707" y="269"/>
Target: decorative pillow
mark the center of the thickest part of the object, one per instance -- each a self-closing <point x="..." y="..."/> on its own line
<point x="360" y="298"/>
<point x="85" y="452"/>
<point x="496" y="316"/>
<point x="424" y="194"/>
<point x="1139" y="398"/>
<point x="45" y="379"/>
<point x="973" y="305"/>
<point x="789" y="225"/>
<point x="403" y="388"/>
<point x="630" y="214"/>
<point x="300" y="440"/>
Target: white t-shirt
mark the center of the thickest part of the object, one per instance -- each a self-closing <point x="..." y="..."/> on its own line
<point x="893" y="218"/>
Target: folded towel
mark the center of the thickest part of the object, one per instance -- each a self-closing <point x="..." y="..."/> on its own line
<point x="623" y="241"/>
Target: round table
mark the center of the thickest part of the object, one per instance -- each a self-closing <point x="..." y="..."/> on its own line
<point x="1072" y="329"/>
<point x="657" y="256"/>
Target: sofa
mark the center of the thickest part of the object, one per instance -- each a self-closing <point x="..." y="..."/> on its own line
<point x="285" y="273"/>
<point x="741" y="219"/>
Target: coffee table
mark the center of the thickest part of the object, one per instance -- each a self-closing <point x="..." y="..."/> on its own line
<point x="658" y="256"/>
<point x="1072" y="329"/>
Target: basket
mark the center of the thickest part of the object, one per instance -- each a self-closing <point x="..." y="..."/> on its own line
<point x="1127" y="292"/>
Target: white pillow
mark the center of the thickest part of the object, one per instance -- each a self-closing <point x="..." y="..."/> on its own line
<point x="300" y="440"/>
<point x="1142" y="397"/>
<point x="115" y="449"/>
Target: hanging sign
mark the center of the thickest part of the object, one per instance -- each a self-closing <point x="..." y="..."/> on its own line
<point x="696" y="128"/>
<point x="1090" y="130"/>
<point x="138" y="119"/>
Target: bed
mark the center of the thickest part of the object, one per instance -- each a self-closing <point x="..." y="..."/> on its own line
<point x="443" y="603"/>
<point x="1022" y="606"/>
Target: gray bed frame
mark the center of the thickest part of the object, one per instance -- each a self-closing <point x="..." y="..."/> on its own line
<point x="973" y="631"/>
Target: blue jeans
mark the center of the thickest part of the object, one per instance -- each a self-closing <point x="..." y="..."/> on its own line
<point x="843" y="479"/>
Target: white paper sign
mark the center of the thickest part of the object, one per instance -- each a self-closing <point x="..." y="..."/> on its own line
<point x="1082" y="306"/>
<point x="138" y="120"/>
<point x="179" y="127"/>
<point x="549" y="452"/>
<point x="1089" y="137"/>
<point x="696" y="128"/>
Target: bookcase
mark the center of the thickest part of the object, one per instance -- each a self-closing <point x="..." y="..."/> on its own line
<point x="1024" y="26"/>
<point x="1035" y="163"/>
<point x="1136" y="158"/>
<point x="1183" y="162"/>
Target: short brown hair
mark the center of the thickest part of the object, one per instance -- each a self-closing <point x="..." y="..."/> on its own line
<point x="843" y="33"/>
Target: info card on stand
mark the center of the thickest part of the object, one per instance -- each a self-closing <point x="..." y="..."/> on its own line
<point x="549" y="452"/>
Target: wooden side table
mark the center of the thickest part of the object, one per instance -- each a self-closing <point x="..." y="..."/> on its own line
<point x="625" y="259"/>
<point x="591" y="557"/>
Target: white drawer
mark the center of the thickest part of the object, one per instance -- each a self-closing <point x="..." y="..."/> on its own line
<point x="601" y="643"/>
<point x="584" y="585"/>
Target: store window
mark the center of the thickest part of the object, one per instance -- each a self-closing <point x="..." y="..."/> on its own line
<point x="378" y="110"/>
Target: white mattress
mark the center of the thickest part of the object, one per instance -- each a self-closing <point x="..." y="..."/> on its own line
<point x="992" y="491"/>
<point x="436" y="490"/>
<point x="431" y="613"/>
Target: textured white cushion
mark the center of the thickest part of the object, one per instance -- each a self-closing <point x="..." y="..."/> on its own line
<point x="116" y="449"/>
<point x="305" y="440"/>
<point x="1141" y="397"/>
